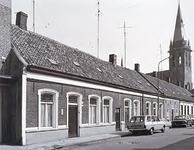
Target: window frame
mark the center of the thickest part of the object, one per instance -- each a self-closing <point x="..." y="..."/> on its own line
<point x="148" y="108"/>
<point x="110" y="109"/>
<point x="98" y="108"/>
<point x="137" y="113"/>
<point x="54" y="109"/>
<point x="129" y="107"/>
<point x="155" y="109"/>
<point x="161" y="110"/>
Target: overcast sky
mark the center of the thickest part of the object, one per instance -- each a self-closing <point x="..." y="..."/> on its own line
<point x="74" y="23"/>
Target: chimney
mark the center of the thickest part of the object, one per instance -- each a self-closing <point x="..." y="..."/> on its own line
<point x="21" y="20"/>
<point x="154" y="74"/>
<point x="168" y="79"/>
<point x="113" y="59"/>
<point x="137" y="67"/>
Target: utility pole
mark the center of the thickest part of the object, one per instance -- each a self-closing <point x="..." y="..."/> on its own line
<point x="33" y="15"/>
<point x="125" y="45"/>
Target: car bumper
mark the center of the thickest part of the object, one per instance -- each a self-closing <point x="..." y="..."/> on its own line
<point x="179" y="124"/>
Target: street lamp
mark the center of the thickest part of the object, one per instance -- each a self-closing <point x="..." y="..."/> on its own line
<point x="158" y="90"/>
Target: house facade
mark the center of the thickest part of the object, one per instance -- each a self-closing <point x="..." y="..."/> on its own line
<point x="51" y="91"/>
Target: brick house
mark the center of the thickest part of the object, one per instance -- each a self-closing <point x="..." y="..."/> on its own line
<point x="51" y="91"/>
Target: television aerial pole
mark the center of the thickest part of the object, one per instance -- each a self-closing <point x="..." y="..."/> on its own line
<point x="125" y="44"/>
<point x="98" y="30"/>
<point x="33" y="15"/>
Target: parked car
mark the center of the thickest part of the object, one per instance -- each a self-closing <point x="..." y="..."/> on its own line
<point x="192" y="118"/>
<point x="146" y="123"/>
<point x="167" y="122"/>
<point x="182" y="120"/>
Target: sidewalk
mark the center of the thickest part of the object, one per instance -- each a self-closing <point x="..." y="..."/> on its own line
<point x="66" y="142"/>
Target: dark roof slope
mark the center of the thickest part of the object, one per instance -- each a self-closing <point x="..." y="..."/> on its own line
<point x="45" y="53"/>
<point x="170" y="90"/>
<point x="40" y="51"/>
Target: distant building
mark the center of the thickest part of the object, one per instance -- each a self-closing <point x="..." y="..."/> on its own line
<point x="179" y="72"/>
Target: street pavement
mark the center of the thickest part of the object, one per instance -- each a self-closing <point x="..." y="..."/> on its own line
<point x="172" y="139"/>
<point x="64" y="143"/>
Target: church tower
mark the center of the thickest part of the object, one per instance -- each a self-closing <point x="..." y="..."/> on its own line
<point x="5" y="29"/>
<point x="180" y="56"/>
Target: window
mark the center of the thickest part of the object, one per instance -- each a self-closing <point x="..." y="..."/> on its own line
<point x="48" y="108"/>
<point x="187" y="110"/>
<point x="173" y="60"/>
<point x="155" y="109"/>
<point x="189" y="60"/>
<point x="94" y="109"/>
<point x="136" y="107"/>
<point x="181" y="109"/>
<point x="160" y="110"/>
<point x="148" y="108"/>
<point x="180" y="59"/>
<point x="127" y="111"/>
<point x="107" y="110"/>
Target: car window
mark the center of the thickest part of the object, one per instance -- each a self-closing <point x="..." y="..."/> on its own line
<point x="149" y="118"/>
<point x="179" y="117"/>
<point x="153" y="118"/>
<point x="137" y="119"/>
<point x="157" y="119"/>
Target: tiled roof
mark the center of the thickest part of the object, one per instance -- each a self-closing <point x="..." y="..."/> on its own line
<point x="171" y="90"/>
<point x="40" y="51"/>
<point x="45" y="53"/>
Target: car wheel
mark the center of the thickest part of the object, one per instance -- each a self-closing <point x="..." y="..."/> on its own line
<point x="163" y="129"/>
<point x="151" y="131"/>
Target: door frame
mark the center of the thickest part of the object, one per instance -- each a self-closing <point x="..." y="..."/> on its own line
<point x="79" y="105"/>
<point x="77" y="127"/>
<point x="118" y="122"/>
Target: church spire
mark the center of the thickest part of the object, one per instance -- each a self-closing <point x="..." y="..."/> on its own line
<point x="179" y="27"/>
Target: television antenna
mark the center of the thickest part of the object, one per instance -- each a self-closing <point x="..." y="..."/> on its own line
<point x="98" y="30"/>
<point x="125" y="45"/>
<point x="33" y="24"/>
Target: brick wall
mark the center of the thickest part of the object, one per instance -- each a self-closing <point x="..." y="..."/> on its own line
<point x="32" y="101"/>
<point x="5" y="38"/>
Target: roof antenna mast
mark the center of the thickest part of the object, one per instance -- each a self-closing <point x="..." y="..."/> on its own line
<point x="33" y="15"/>
<point x="125" y="43"/>
<point x="98" y="39"/>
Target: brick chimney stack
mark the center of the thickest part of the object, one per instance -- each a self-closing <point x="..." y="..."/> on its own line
<point x="113" y="59"/>
<point x="137" y="67"/>
<point x="21" y="20"/>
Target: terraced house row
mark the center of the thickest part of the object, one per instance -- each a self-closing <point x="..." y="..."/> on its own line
<point x="50" y="91"/>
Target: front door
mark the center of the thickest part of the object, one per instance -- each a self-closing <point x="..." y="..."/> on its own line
<point x="126" y="117"/>
<point x="73" y="121"/>
<point x="118" y="119"/>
